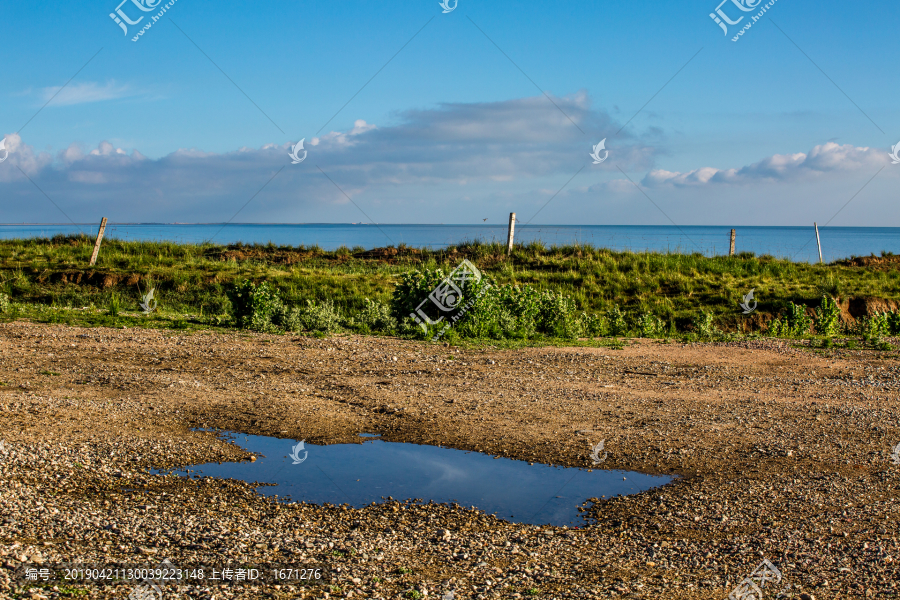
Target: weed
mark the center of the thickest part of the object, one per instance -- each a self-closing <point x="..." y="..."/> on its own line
<point x="617" y="322"/>
<point x="798" y="321"/>
<point x="375" y="316"/>
<point x="795" y="323"/>
<point x="532" y="591"/>
<point x="414" y="594"/>
<point x="650" y="325"/>
<point x="254" y="306"/>
<point x="114" y="305"/>
<point x="4" y="303"/>
<point x="827" y="319"/>
<point x="704" y="327"/>
<point x="65" y="590"/>
<point x="320" y="317"/>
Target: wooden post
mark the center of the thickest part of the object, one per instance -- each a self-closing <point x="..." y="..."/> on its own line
<point x="512" y="232"/>
<point x="97" y="243"/>
<point x="732" y="244"/>
<point x="818" y="241"/>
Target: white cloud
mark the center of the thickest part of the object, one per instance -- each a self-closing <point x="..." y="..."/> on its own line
<point x="511" y="156"/>
<point x="823" y="160"/>
<point x="83" y="93"/>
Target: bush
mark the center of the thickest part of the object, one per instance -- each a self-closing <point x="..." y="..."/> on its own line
<point x="376" y="316"/>
<point x="893" y="320"/>
<point x="114" y="305"/>
<point x="874" y="327"/>
<point x="828" y="315"/>
<point x="650" y="325"/>
<point x="793" y="324"/>
<point x="618" y="324"/>
<point x="412" y="289"/>
<point x="4" y="303"/>
<point x="498" y="312"/>
<point x="289" y="318"/>
<point x="255" y="306"/>
<point x="798" y="321"/>
<point x="594" y="325"/>
<point x="320" y="317"/>
<point x="557" y="316"/>
<point x="703" y="326"/>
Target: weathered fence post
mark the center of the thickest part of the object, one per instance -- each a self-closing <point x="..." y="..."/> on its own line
<point x="97" y="243"/>
<point x="818" y="242"/>
<point x="512" y="232"/>
<point x="732" y="244"/>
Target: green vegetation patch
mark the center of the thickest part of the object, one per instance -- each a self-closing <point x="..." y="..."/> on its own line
<point x="538" y="293"/>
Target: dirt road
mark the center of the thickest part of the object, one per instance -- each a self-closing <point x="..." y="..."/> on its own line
<point x="783" y="453"/>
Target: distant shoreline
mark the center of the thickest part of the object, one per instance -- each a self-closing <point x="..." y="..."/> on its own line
<point x="486" y="225"/>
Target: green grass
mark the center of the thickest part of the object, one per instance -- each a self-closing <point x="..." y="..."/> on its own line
<point x="65" y="590"/>
<point x="49" y="280"/>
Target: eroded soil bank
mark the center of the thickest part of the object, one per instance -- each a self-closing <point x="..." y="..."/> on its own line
<point x="783" y="453"/>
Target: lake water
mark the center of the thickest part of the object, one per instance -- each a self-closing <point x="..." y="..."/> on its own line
<point x="359" y="474"/>
<point x="798" y="243"/>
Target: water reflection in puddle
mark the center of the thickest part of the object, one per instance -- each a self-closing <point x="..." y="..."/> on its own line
<point x="359" y="474"/>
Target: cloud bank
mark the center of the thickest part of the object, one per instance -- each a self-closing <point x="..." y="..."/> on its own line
<point x="509" y="155"/>
<point x="822" y="161"/>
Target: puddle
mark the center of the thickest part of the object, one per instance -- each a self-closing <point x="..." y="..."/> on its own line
<point x="359" y="474"/>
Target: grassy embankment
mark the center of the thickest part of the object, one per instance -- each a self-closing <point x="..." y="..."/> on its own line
<point x="49" y="280"/>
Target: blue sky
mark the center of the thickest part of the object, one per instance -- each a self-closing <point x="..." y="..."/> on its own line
<point x="762" y="131"/>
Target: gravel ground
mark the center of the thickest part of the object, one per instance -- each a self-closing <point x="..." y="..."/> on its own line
<point x="782" y="453"/>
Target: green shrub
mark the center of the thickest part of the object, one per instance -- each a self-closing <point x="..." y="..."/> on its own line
<point x="650" y="325"/>
<point x="703" y="326"/>
<point x="874" y="327"/>
<point x="557" y="316"/>
<point x="4" y="303"/>
<point x="828" y="317"/>
<point x="893" y="320"/>
<point x="412" y="289"/>
<point x="594" y="325"/>
<point x="798" y="321"/>
<point x="320" y="317"/>
<point x="288" y="318"/>
<point x="618" y="324"/>
<point x="499" y="312"/>
<point x="114" y="305"/>
<point x="793" y="324"/>
<point x="496" y="312"/>
<point x="375" y="316"/>
<point x="255" y="306"/>
<point x="777" y="327"/>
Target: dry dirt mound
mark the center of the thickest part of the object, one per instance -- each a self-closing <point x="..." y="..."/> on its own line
<point x="881" y="263"/>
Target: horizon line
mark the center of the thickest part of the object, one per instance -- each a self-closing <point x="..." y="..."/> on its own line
<point x="518" y="226"/>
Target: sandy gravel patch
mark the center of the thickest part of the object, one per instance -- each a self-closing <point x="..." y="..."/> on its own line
<point x="781" y="452"/>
